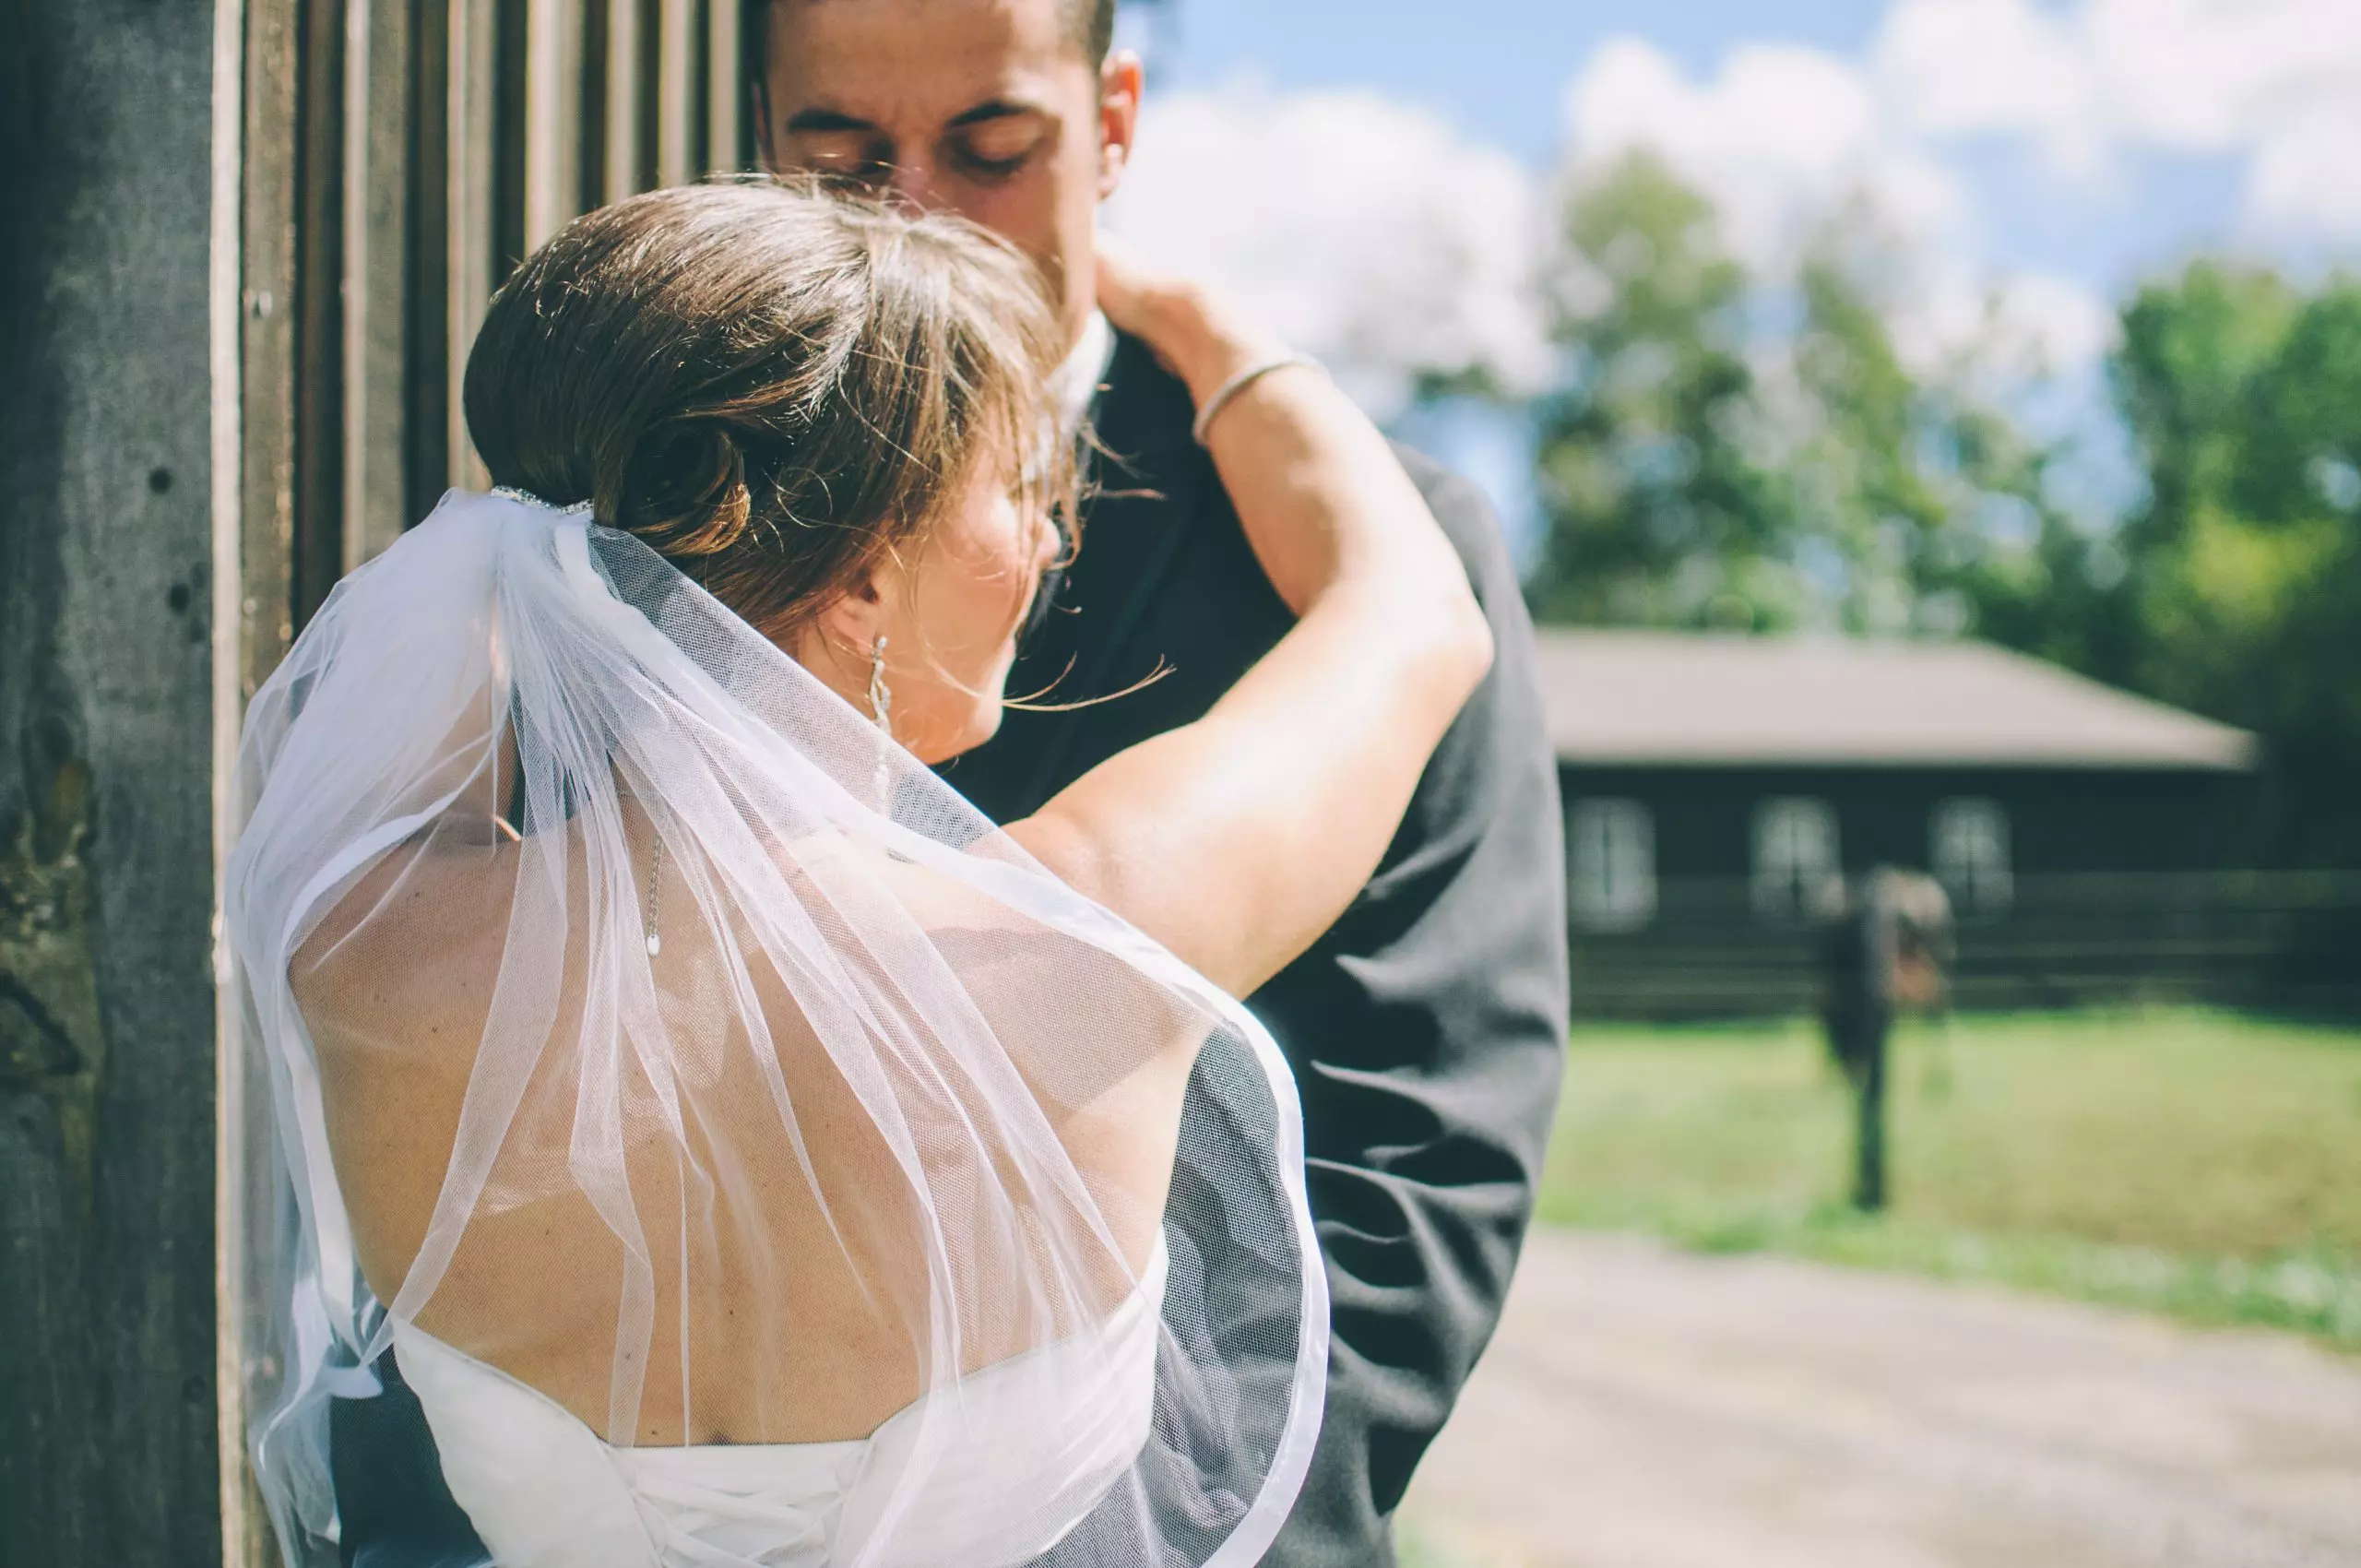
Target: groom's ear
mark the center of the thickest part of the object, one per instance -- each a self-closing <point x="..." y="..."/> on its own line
<point x="1121" y="82"/>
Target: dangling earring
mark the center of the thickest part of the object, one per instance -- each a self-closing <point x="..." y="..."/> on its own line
<point x="880" y="705"/>
<point x="881" y="700"/>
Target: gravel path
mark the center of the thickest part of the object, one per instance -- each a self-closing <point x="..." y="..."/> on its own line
<point x="1643" y="1408"/>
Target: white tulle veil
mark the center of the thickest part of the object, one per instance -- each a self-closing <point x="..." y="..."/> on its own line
<point x="640" y="1019"/>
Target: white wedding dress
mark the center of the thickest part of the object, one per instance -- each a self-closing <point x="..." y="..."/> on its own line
<point x="544" y="1491"/>
<point x="634" y="1010"/>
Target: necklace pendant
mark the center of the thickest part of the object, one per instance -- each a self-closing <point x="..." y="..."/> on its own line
<point x="655" y="945"/>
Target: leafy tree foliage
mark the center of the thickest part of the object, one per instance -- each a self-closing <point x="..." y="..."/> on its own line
<point x="1659" y="510"/>
<point x="2242" y="596"/>
<point x="1729" y="453"/>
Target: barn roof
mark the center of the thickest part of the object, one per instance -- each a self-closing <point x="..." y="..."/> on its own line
<point x="1631" y="698"/>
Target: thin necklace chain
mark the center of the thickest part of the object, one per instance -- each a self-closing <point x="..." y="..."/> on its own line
<point x="656" y="895"/>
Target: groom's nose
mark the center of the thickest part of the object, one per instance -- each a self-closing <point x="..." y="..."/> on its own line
<point x="915" y="181"/>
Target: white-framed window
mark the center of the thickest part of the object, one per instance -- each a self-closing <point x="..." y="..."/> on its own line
<point x="1969" y="851"/>
<point x="1795" y="856"/>
<point x="1612" y="850"/>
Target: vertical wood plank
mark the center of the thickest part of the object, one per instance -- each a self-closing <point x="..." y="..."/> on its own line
<point x="376" y="272"/>
<point x="626" y="61"/>
<point x="553" y="118"/>
<point x="245" y="1529"/>
<point x="474" y="83"/>
<point x="676" y="73"/>
<point x="319" y="531"/>
<point x="267" y="341"/>
<point x="254" y="609"/>
<point x="590" y="128"/>
<point x="427" y="463"/>
<point x="511" y="60"/>
<point x="725" y="90"/>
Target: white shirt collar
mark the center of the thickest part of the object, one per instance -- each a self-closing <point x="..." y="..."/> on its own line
<point x="1075" y="382"/>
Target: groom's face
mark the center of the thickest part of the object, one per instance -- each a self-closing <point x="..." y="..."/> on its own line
<point x="991" y="109"/>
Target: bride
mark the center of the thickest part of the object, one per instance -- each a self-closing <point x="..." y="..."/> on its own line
<point x="747" y="1153"/>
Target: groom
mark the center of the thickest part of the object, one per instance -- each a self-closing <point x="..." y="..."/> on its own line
<point x="1426" y="1029"/>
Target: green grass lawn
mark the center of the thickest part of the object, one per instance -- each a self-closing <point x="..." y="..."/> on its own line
<point x="2200" y="1164"/>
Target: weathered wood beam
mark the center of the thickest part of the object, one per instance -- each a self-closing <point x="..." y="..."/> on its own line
<point x="107" y="1021"/>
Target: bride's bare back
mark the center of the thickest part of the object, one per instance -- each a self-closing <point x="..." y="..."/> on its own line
<point x="812" y="1267"/>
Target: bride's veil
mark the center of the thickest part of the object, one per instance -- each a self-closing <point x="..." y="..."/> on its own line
<point x="641" y="1022"/>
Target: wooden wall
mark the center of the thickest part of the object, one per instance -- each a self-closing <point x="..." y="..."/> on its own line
<point x="401" y="159"/>
<point x="243" y="247"/>
<point x="2061" y="820"/>
<point x="2130" y="887"/>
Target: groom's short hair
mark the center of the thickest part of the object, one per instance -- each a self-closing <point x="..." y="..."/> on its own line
<point x="1090" y="23"/>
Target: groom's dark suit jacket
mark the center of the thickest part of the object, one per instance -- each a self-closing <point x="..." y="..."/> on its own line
<point x="1426" y="1029"/>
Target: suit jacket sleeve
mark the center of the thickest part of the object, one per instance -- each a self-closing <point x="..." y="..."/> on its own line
<point x="1427" y="1032"/>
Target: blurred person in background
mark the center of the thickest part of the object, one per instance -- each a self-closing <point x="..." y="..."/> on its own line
<point x="1888" y="949"/>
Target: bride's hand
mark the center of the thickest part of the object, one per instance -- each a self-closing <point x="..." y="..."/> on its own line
<point x="1194" y="333"/>
<point x="1237" y="839"/>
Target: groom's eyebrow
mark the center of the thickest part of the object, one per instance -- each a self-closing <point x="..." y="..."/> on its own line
<point x="808" y="121"/>
<point x="824" y="121"/>
<point x="996" y="109"/>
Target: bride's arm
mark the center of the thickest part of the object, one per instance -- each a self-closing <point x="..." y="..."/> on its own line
<point x="1237" y="839"/>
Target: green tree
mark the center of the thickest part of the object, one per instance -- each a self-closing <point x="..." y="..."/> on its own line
<point x="2242" y="592"/>
<point x="1657" y="512"/>
<point x="1730" y="452"/>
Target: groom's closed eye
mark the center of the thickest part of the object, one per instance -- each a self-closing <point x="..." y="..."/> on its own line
<point x="988" y="144"/>
<point x="998" y="144"/>
<point x="838" y="145"/>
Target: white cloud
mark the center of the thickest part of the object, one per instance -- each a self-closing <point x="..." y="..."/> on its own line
<point x="2305" y="181"/>
<point x="1366" y="231"/>
<point x="2219" y="74"/>
<point x="1949" y="67"/>
<point x="1780" y="141"/>
<point x="2275" y="83"/>
<point x="1785" y="140"/>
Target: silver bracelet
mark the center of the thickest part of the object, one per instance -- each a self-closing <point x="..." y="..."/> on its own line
<point x="1240" y="383"/>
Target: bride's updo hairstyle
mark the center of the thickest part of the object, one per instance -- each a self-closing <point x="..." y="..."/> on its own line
<point x="771" y="385"/>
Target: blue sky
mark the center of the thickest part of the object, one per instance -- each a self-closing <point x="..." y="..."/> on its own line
<point x="1496" y="67"/>
<point x="1499" y="70"/>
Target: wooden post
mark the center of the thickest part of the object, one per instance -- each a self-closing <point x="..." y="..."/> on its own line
<point x="108" y="568"/>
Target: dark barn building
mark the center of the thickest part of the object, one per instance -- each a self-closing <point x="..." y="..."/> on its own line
<point x="1719" y="788"/>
